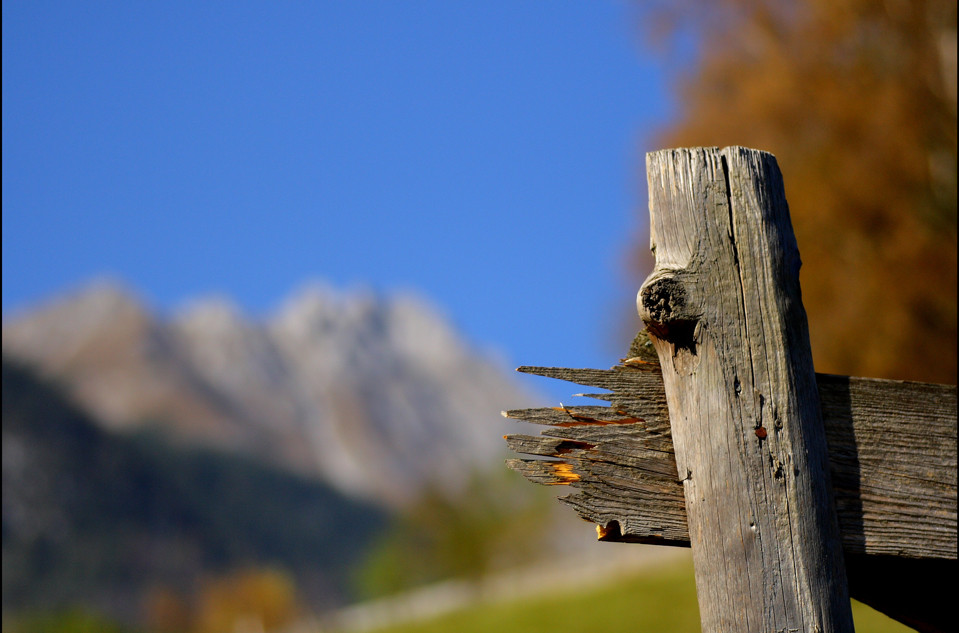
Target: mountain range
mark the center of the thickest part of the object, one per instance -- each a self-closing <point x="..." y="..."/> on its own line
<point x="105" y="520"/>
<point x="378" y="396"/>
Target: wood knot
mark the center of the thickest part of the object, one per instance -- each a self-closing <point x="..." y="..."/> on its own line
<point x="668" y="297"/>
<point x="670" y="306"/>
<point x="662" y="300"/>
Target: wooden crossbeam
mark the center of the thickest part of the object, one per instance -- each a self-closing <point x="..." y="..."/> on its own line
<point x="892" y="458"/>
<point x="795" y="490"/>
<point x="892" y="454"/>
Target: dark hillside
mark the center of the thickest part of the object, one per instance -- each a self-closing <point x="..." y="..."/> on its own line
<point x="100" y="519"/>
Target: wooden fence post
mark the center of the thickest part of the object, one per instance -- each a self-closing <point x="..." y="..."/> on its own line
<point x="725" y="315"/>
<point x="748" y="441"/>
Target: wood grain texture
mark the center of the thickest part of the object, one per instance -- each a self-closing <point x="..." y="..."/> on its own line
<point x="725" y="314"/>
<point x="892" y="453"/>
<point x="761" y="444"/>
<point x="892" y="457"/>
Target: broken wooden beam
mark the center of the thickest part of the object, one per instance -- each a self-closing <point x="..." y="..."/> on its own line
<point x="892" y="457"/>
<point x="779" y="476"/>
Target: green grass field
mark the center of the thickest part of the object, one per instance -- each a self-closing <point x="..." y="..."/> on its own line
<point x="659" y="601"/>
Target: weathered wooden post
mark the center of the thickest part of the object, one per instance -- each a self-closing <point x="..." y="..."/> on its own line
<point x="729" y="401"/>
<point x="725" y="315"/>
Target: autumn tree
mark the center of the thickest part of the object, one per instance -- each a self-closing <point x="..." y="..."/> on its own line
<point x="254" y="599"/>
<point x="857" y="100"/>
<point x="246" y="599"/>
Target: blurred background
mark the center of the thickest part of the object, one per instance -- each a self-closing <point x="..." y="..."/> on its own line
<point x="267" y="268"/>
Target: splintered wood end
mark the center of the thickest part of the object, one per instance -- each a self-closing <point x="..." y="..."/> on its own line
<point x="564" y="474"/>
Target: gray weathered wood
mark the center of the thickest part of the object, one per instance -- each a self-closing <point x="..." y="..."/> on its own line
<point x="892" y="457"/>
<point x="894" y="466"/>
<point x="892" y="448"/>
<point x="725" y="314"/>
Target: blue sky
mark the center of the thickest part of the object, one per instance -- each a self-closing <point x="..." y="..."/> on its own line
<point x="487" y="155"/>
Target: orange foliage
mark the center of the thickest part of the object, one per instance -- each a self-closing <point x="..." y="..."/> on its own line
<point x="857" y="100"/>
<point x="253" y="599"/>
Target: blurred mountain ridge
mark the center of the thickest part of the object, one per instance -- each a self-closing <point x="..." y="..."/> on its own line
<point x="104" y="520"/>
<point x="378" y="396"/>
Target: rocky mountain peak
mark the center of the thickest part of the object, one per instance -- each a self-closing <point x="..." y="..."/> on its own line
<point x="211" y="314"/>
<point x="378" y="395"/>
<point x="58" y="330"/>
<point x="313" y="308"/>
